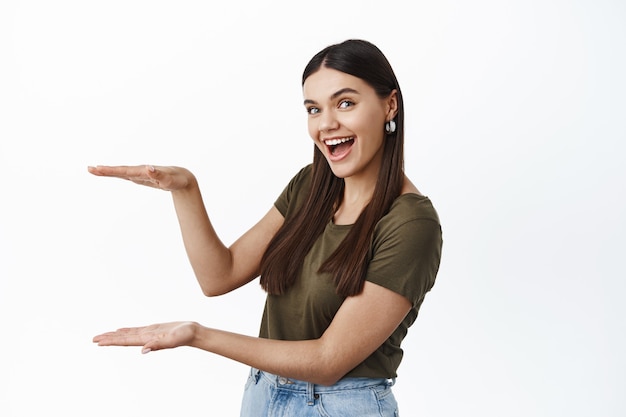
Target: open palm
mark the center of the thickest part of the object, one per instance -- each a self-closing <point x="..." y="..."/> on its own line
<point x="153" y="337"/>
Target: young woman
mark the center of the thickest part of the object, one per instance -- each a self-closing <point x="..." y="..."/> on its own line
<point x="346" y="254"/>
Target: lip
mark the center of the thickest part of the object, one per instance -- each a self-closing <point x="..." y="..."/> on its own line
<point x="337" y="158"/>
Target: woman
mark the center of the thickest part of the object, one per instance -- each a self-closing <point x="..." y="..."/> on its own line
<point x="346" y="254"/>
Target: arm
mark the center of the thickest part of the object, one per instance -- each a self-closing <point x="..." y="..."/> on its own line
<point x="361" y="325"/>
<point x="218" y="269"/>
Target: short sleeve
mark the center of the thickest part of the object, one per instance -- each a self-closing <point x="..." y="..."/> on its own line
<point x="293" y="194"/>
<point x="406" y="252"/>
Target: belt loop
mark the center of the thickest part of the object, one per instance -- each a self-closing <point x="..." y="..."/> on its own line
<point x="256" y="373"/>
<point x="391" y="382"/>
<point x="310" y="394"/>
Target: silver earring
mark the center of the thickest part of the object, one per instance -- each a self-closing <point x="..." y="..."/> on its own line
<point x="390" y="126"/>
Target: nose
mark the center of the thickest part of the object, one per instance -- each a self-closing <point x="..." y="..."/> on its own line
<point x="327" y="122"/>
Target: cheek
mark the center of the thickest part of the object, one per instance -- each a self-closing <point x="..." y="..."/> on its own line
<point x="312" y="128"/>
<point x="367" y="122"/>
<point x="376" y="121"/>
<point x="314" y="134"/>
<point x="372" y="128"/>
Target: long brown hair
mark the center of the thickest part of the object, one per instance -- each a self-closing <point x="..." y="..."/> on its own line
<point x="282" y="261"/>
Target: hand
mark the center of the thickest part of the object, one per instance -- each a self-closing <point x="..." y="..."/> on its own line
<point x="154" y="337"/>
<point x="164" y="178"/>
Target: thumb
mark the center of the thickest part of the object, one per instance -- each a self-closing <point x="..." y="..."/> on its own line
<point x="150" y="347"/>
<point x="155" y="177"/>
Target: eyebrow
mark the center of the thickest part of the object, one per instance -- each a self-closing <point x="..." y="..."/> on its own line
<point x="334" y="95"/>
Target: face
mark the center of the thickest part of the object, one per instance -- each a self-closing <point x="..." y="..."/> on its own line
<point x="346" y="121"/>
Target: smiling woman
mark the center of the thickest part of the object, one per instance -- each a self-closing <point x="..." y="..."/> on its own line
<point x="345" y="116"/>
<point x="346" y="254"/>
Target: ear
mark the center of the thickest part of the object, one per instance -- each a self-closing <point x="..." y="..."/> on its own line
<point x="392" y="105"/>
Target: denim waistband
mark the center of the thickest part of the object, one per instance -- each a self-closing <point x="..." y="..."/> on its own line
<point x="313" y="389"/>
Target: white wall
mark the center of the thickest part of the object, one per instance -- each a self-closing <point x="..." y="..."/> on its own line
<point x="515" y="130"/>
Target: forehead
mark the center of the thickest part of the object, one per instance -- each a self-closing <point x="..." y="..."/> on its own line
<point x="326" y="81"/>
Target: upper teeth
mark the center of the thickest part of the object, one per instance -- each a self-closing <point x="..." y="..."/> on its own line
<point x="332" y="142"/>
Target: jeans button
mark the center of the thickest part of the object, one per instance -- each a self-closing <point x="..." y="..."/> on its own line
<point x="282" y="380"/>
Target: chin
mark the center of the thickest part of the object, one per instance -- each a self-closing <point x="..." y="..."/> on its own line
<point x="340" y="172"/>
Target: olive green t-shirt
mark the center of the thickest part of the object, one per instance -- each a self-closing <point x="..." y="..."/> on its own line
<point x="406" y="250"/>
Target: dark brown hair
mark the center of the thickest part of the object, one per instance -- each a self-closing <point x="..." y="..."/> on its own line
<point x="282" y="261"/>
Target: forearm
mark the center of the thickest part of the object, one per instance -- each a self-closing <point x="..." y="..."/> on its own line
<point x="210" y="259"/>
<point x="307" y="360"/>
<point x="360" y="326"/>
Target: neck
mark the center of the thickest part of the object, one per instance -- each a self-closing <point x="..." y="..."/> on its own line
<point x="357" y="194"/>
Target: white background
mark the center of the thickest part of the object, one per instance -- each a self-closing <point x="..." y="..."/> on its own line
<point x="515" y="129"/>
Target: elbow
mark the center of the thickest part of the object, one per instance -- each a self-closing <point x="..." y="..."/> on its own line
<point x="331" y="376"/>
<point x="211" y="291"/>
<point x="327" y="380"/>
<point x="211" y="288"/>
<point x="219" y="283"/>
<point x="210" y="294"/>
<point x="328" y="372"/>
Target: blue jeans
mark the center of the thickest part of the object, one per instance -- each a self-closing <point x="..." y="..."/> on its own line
<point x="268" y="395"/>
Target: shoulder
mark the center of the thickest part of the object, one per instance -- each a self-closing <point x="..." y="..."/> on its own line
<point x="412" y="219"/>
<point x="408" y="207"/>
<point x="302" y="178"/>
<point x="406" y="247"/>
<point x="304" y="174"/>
<point x="295" y="191"/>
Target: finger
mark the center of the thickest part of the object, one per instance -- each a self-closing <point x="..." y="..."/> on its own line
<point x="123" y="334"/>
<point x="121" y="171"/>
<point x="153" y="174"/>
<point x="151" y="346"/>
<point x="105" y="171"/>
<point x="115" y="339"/>
<point x="162" y="178"/>
<point x="147" y="175"/>
<point x="157" y="342"/>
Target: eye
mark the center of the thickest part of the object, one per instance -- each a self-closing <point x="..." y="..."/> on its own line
<point x="344" y="104"/>
<point x="312" y="110"/>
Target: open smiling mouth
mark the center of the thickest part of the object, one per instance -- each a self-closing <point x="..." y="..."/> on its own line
<point x="339" y="146"/>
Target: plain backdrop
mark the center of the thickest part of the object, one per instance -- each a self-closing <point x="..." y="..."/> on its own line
<point x="515" y="129"/>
